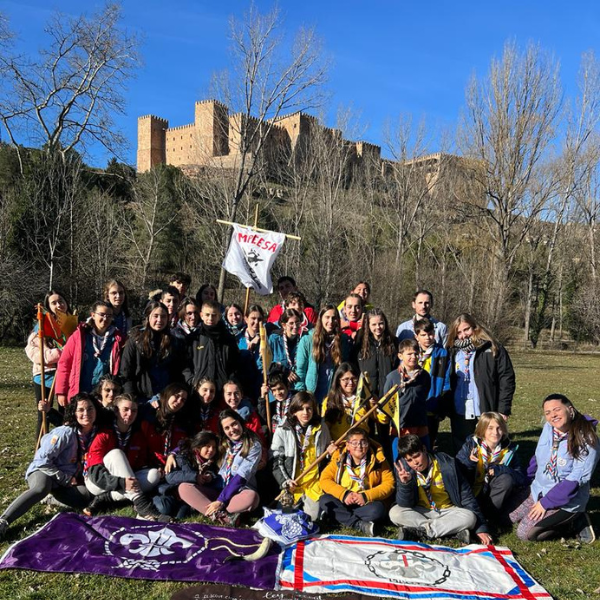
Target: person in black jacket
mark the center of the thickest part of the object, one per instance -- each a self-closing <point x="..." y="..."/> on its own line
<point x="152" y="358"/>
<point x="433" y="499"/>
<point x="482" y="377"/>
<point x="212" y="350"/>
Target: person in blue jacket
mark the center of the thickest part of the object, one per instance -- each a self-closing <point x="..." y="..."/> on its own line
<point x="193" y="462"/>
<point x="561" y="469"/>
<point x="320" y="353"/>
<point x="59" y="464"/>
<point x="284" y="343"/>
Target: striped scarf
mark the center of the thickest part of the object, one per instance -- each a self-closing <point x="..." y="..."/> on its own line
<point x="489" y="456"/>
<point x="360" y="478"/>
<point x="232" y="451"/>
<point x="424" y="482"/>
<point x="99" y="341"/>
<point x="557" y="438"/>
<point x="281" y="408"/>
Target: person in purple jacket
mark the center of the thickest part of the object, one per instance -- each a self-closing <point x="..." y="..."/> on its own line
<point x="564" y="461"/>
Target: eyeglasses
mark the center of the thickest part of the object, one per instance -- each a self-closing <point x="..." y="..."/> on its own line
<point x="361" y="444"/>
<point x="104" y="316"/>
<point x="348" y="380"/>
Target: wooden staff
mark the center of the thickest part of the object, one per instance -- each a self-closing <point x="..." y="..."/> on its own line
<point x="40" y="319"/>
<point x="247" y="301"/>
<point x="50" y="398"/>
<point x="380" y="403"/>
<point x="264" y="349"/>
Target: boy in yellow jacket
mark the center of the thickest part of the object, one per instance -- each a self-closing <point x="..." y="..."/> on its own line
<point x="355" y="484"/>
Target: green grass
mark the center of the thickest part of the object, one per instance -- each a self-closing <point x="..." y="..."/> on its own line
<point x="567" y="571"/>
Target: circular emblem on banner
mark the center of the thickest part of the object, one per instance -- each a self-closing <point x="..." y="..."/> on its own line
<point x="151" y="546"/>
<point x="407" y="567"/>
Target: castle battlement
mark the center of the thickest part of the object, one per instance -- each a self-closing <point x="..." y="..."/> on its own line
<point x="154" y="117"/>
<point x="180" y="127"/>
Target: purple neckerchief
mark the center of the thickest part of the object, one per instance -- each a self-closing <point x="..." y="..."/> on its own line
<point x="236" y="483"/>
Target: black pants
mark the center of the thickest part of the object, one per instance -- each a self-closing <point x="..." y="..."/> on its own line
<point x="553" y="526"/>
<point x="54" y="417"/>
<point x="461" y="429"/>
<point x="493" y="498"/>
<point x="350" y="515"/>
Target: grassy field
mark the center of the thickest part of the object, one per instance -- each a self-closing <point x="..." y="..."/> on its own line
<point x="565" y="569"/>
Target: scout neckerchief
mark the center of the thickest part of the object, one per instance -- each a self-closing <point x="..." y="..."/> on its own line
<point x="489" y="457"/>
<point x="424" y="482"/>
<point x="302" y="442"/>
<point x="99" y="341"/>
<point x="232" y="451"/>
<point x="203" y="464"/>
<point x="168" y="433"/>
<point x="362" y="469"/>
<point x="282" y="407"/>
<point x="122" y="437"/>
<point x="205" y="410"/>
<point x="291" y="363"/>
<point x="557" y="438"/>
<point x="84" y="443"/>
<point x="425" y="354"/>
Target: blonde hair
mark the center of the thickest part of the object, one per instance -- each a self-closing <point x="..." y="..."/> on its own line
<point x="480" y="333"/>
<point x="485" y="419"/>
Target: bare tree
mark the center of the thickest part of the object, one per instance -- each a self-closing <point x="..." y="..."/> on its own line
<point x="509" y="123"/>
<point x="267" y="81"/>
<point x="68" y="96"/>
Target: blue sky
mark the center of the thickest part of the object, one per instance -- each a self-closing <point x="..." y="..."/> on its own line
<point x="387" y="57"/>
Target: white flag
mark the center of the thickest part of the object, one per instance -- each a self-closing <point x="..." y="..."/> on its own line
<point x="251" y="255"/>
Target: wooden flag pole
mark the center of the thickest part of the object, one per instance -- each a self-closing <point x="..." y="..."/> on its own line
<point x="40" y="319"/>
<point x="247" y="301"/>
<point x="287" y="235"/>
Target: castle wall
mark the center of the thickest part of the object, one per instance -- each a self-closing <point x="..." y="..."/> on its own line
<point x="151" y="142"/>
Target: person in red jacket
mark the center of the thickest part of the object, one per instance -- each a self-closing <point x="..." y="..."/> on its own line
<point x="121" y="465"/>
<point x="93" y="350"/>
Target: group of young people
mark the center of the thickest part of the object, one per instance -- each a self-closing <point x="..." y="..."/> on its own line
<point x="179" y="414"/>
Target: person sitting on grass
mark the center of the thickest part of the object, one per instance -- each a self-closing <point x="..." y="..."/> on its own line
<point x="121" y="465"/>
<point x="356" y="483"/>
<point x="297" y="442"/>
<point x="490" y="463"/>
<point x="433" y="499"/>
<point x="59" y="465"/>
<point x="235" y="491"/>
<point x="561" y="469"/>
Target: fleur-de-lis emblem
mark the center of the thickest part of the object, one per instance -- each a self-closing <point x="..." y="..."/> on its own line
<point x="153" y="543"/>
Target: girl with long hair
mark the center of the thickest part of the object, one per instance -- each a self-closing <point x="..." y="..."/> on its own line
<point x="188" y="319"/>
<point x="152" y="358"/>
<point x="482" y="377"/>
<point x="297" y="442"/>
<point x="561" y="469"/>
<point x="240" y="454"/>
<point x="54" y="342"/>
<point x="376" y="349"/>
<point x="320" y="353"/>
<point x="341" y="408"/>
<point x="60" y="464"/>
<point x="115" y="294"/>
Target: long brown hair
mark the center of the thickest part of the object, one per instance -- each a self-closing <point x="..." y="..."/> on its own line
<point x="164" y="416"/>
<point x="319" y="345"/>
<point x="367" y="340"/>
<point x="249" y="438"/>
<point x="143" y="337"/>
<point x="480" y="333"/>
<point x="582" y="432"/>
<point x="335" y="403"/>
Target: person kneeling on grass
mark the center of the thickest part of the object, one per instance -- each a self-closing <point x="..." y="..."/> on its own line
<point x="356" y="483"/>
<point x="433" y="499"/>
<point x="565" y="459"/>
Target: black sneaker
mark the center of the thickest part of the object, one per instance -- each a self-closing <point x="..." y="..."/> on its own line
<point x="98" y="504"/>
<point x="585" y="532"/>
<point x="366" y="527"/>
<point x="145" y="509"/>
<point x="3" y="528"/>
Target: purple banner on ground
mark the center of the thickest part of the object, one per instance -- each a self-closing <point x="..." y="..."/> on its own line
<point x="124" y="547"/>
